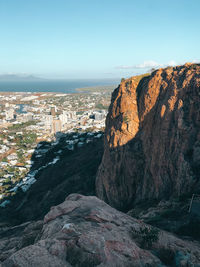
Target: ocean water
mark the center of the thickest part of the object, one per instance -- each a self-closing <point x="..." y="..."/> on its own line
<point x="62" y="86"/>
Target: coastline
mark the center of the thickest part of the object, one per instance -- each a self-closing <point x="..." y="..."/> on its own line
<point x="57" y="86"/>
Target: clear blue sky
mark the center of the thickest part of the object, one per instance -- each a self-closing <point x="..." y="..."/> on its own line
<point x="96" y="38"/>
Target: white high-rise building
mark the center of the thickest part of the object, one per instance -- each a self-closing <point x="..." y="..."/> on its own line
<point x="56" y="126"/>
<point x="64" y="117"/>
<point x="48" y="119"/>
<point x="28" y="117"/>
<point x="9" y="114"/>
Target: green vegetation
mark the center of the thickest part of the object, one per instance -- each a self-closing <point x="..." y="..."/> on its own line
<point x="2" y="172"/>
<point x="28" y="138"/>
<point x="126" y="119"/>
<point x="90" y="129"/>
<point x="146" y="236"/>
<point x="76" y="130"/>
<point x="80" y="112"/>
<point x="138" y="78"/>
<point x="153" y="69"/>
<point x="20" y="156"/>
<point x="21" y="125"/>
<point x="7" y="181"/>
<point x="106" y="88"/>
<point x="10" y="169"/>
<point x="101" y="106"/>
<point x="80" y="103"/>
<point x="4" y="159"/>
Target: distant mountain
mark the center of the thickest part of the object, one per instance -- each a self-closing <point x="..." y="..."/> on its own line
<point x="16" y="77"/>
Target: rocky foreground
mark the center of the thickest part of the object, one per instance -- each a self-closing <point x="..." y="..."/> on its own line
<point x="152" y="139"/>
<point x="85" y="231"/>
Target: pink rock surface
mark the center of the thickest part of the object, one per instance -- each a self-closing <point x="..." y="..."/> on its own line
<point x="95" y="234"/>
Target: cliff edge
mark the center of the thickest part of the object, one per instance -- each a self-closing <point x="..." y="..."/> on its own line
<point x="152" y="138"/>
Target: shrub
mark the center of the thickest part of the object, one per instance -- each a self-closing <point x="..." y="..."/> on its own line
<point x="147" y="235"/>
<point x="126" y="119"/>
<point x="4" y="159"/>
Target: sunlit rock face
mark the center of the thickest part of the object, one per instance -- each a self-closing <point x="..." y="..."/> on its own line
<point x="152" y="138"/>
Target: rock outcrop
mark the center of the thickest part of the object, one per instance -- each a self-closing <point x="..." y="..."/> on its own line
<point x="85" y="231"/>
<point x="152" y="138"/>
<point x="17" y="237"/>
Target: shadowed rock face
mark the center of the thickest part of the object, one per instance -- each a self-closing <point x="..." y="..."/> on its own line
<point x="152" y="138"/>
<point x="85" y="231"/>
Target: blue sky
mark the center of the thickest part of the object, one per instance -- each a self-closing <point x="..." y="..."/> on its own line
<point x="96" y="38"/>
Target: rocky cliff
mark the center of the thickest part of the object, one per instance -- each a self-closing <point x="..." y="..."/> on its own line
<point x="85" y="231"/>
<point x="152" y="138"/>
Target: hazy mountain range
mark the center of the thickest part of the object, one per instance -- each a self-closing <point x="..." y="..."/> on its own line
<point x="18" y="77"/>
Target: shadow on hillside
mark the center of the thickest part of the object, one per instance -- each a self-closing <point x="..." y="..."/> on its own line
<point x="59" y="168"/>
